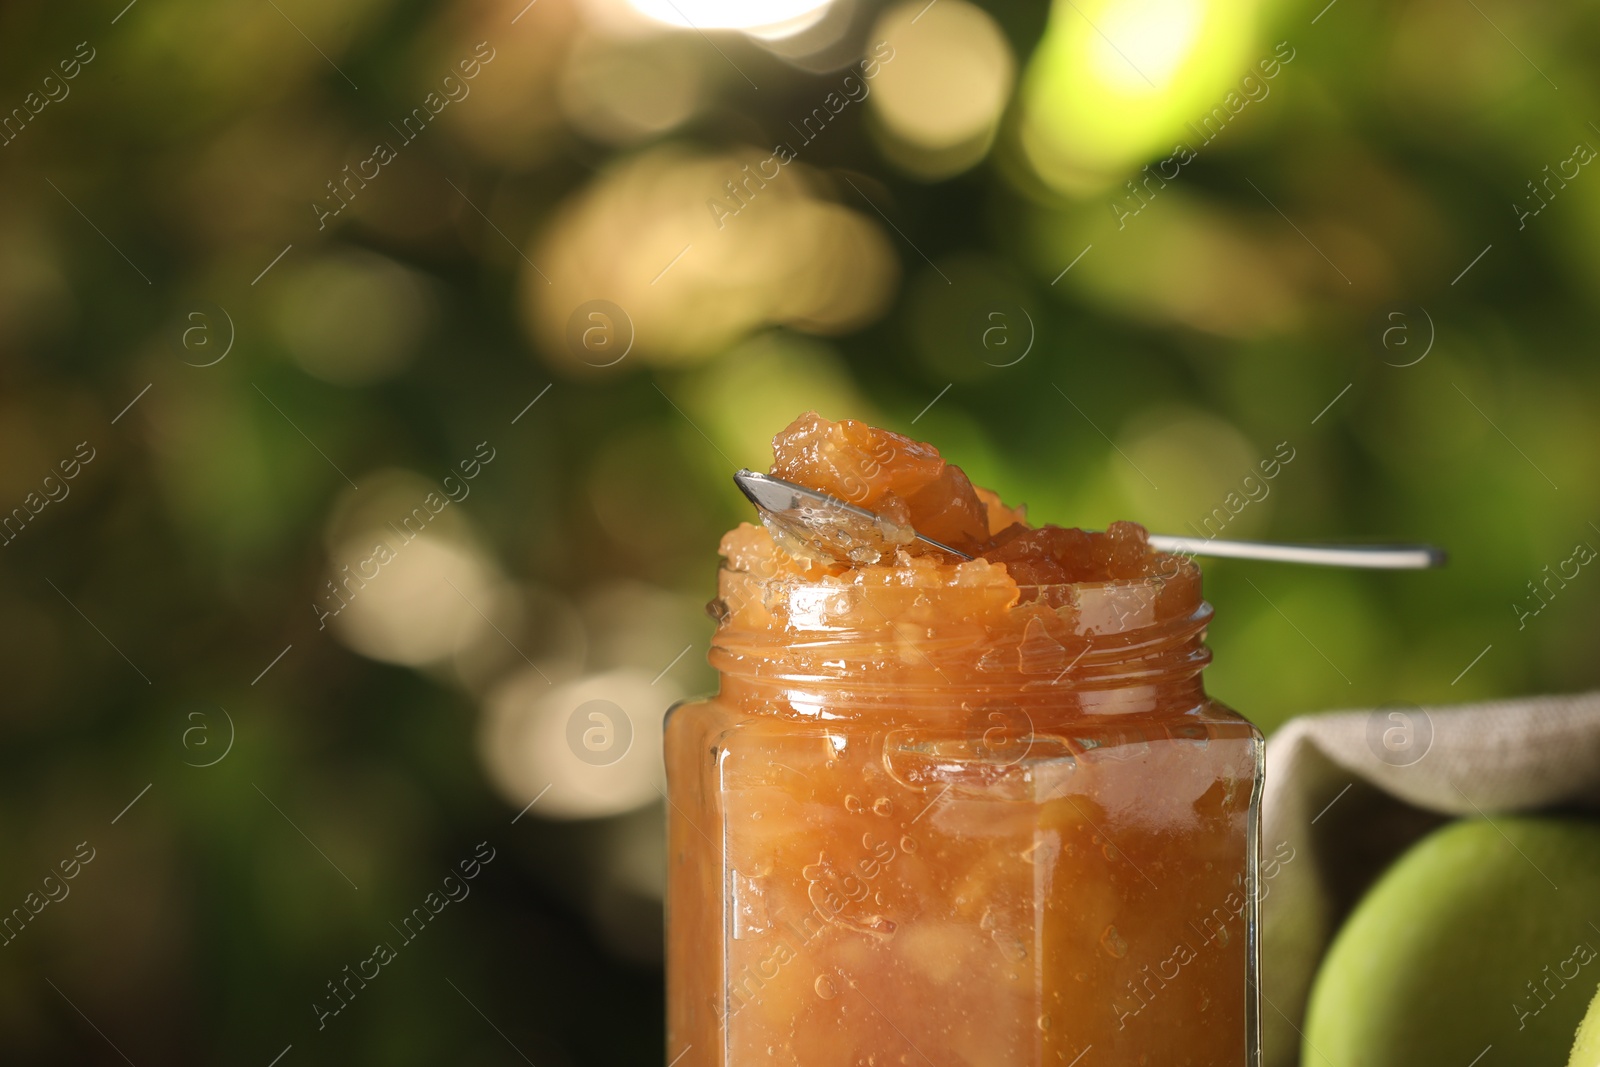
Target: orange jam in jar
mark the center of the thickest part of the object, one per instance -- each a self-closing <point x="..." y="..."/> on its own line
<point x="958" y="813"/>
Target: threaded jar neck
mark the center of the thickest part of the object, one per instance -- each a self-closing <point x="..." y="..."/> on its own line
<point x="846" y="646"/>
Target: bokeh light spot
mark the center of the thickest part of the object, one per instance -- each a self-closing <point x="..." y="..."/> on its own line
<point x="1113" y="82"/>
<point x="938" y="101"/>
<point x="352" y="317"/>
<point x="524" y="742"/>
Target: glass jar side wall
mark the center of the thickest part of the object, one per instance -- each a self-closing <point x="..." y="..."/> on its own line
<point x="873" y="892"/>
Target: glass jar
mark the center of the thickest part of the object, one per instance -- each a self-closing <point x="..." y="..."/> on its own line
<point x="957" y="823"/>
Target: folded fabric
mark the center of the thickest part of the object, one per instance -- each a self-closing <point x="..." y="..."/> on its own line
<point x="1347" y="792"/>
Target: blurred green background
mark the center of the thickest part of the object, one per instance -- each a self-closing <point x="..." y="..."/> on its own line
<point x="273" y="273"/>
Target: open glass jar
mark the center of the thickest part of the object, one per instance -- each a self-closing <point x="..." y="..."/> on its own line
<point x="934" y="818"/>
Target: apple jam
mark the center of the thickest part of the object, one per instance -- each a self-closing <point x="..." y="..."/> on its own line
<point x="958" y="813"/>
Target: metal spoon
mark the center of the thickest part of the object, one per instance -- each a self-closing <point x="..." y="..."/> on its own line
<point x="845" y="531"/>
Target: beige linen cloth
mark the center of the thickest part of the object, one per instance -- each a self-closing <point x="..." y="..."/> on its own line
<point x="1347" y="792"/>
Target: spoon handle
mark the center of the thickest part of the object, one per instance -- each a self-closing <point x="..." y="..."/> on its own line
<point x="1376" y="557"/>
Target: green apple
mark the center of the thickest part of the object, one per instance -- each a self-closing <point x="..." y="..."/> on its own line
<point x="1586" y="1046"/>
<point x="1485" y="935"/>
